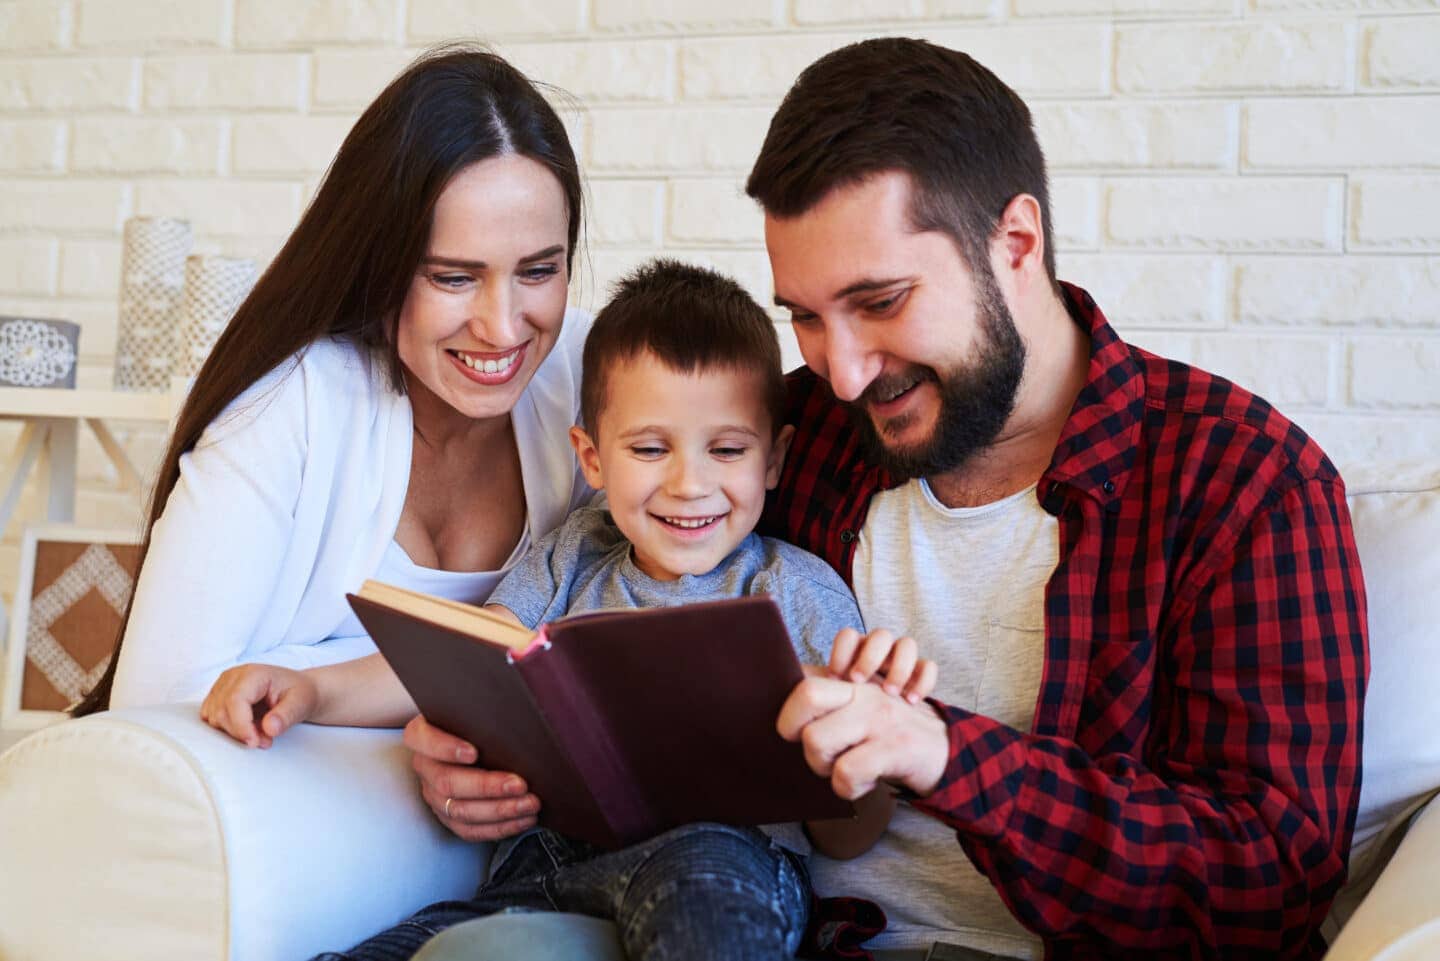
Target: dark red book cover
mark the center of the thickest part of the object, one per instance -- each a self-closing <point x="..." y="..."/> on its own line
<point x="625" y="723"/>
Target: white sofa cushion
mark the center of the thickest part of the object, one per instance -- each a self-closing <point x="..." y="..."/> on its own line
<point x="144" y="834"/>
<point x="1396" y="513"/>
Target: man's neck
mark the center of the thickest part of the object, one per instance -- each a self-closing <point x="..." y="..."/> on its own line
<point x="1057" y="365"/>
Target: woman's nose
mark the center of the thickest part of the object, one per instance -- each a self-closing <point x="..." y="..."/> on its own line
<point x="493" y="320"/>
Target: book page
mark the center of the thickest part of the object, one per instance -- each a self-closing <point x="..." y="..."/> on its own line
<point x="465" y="618"/>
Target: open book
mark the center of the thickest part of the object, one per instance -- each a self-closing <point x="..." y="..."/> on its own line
<point x="625" y="723"/>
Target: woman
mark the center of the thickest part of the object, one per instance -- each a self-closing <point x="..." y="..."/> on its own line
<point x="393" y="400"/>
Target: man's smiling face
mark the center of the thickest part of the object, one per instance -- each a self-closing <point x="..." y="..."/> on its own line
<point x="923" y="348"/>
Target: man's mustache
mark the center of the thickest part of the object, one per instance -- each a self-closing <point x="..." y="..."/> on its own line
<point x="887" y="385"/>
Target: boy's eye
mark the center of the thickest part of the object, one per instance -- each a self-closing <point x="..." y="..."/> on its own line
<point x="729" y="452"/>
<point x="643" y="451"/>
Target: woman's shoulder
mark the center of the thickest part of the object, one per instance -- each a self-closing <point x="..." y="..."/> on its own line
<point x="329" y="378"/>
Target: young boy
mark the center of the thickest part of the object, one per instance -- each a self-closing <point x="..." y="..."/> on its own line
<point x="682" y="397"/>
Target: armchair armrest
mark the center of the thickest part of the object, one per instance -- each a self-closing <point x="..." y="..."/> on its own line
<point x="143" y="833"/>
<point x="1404" y="899"/>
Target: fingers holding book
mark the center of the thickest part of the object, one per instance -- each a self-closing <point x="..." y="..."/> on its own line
<point x="475" y="804"/>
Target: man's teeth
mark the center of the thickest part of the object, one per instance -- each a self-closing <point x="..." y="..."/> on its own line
<point x="889" y="395"/>
<point x="488" y="366"/>
<point x="691" y="523"/>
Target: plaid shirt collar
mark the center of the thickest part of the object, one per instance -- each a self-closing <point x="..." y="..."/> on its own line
<point x="1096" y="450"/>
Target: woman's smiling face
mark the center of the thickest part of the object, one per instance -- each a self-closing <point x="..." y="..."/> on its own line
<point x="487" y="301"/>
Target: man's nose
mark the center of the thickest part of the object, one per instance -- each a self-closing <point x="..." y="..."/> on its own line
<point x="849" y="363"/>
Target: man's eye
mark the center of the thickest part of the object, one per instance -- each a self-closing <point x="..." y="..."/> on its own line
<point x="883" y="304"/>
<point x="800" y="318"/>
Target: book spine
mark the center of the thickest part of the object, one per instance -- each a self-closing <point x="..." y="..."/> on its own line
<point x="582" y="730"/>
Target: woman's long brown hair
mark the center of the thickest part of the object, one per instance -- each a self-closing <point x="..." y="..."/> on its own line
<point x="346" y="267"/>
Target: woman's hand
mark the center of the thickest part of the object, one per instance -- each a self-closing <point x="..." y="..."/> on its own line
<point x="256" y="703"/>
<point x="475" y="804"/>
<point x="903" y="672"/>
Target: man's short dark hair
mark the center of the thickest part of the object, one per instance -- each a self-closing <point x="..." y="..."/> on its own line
<point x="691" y="319"/>
<point x="963" y="136"/>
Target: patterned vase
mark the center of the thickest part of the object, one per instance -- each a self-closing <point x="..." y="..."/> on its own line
<point x="152" y="278"/>
<point x="214" y="288"/>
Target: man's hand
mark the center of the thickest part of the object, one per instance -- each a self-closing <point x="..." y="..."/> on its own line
<point x="857" y="735"/>
<point x="476" y="805"/>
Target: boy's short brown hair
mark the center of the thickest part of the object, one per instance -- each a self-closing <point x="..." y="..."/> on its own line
<point x="692" y="319"/>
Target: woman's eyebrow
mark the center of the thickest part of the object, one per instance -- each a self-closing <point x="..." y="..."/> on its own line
<point x="438" y="261"/>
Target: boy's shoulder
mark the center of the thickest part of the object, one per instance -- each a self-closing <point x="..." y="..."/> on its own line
<point x="787" y="562"/>
<point x="587" y="533"/>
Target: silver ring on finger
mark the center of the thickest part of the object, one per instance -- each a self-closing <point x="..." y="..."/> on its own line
<point x="448" y="802"/>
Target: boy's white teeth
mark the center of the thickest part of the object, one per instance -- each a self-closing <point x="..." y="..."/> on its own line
<point x="690" y="523"/>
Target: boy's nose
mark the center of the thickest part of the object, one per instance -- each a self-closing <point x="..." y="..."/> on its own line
<point x="688" y="478"/>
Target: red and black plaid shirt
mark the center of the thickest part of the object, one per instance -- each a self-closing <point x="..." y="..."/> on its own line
<point x="1189" y="783"/>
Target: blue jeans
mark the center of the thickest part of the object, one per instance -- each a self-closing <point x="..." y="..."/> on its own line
<point x="698" y="891"/>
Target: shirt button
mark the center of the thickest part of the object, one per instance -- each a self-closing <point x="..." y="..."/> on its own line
<point x="846" y="536"/>
<point x="1109" y="486"/>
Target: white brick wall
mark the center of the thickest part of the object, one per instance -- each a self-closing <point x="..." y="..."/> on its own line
<point x="1253" y="185"/>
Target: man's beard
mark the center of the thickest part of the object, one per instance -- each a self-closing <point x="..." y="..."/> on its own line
<point x="975" y="400"/>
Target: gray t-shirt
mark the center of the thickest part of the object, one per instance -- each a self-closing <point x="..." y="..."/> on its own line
<point x="586" y="565"/>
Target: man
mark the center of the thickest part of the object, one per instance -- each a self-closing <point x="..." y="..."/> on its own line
<point x="1138" y="579"/>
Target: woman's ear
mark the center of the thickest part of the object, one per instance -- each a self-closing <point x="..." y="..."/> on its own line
<point x="776" y="463"/>
<point x="588" y="456"/>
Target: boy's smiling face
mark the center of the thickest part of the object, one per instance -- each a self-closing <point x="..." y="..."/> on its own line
<point x="684" y="459"/>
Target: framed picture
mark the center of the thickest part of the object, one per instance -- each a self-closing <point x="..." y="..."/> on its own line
<point x="70" y="595"/>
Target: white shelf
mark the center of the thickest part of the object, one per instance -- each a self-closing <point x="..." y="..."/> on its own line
<point x="86" y="404"/>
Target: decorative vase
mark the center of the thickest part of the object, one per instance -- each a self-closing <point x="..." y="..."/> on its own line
<point x="214" y="288"/>
<point x="152" y="278"/>
<point x="37" y="352"/>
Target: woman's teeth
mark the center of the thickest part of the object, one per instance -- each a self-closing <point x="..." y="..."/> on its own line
<point x="488" y="366"/>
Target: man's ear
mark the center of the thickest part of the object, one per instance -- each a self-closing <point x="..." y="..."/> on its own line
<point x="588" y="456"/>
<point x="776" y="462"/>
<point x="1018" y="246"/>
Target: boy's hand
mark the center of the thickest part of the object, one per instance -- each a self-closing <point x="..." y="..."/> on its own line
<point x="903" y="672"/>
<point x="256" y="703"/>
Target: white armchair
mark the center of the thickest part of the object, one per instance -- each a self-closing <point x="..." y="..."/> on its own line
<point x="144" y="834"/>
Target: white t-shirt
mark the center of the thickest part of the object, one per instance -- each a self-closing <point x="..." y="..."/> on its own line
<point x="969" y="585"/>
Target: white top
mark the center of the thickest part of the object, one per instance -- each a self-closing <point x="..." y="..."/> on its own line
<point x="291" y="499"/>
<point x="969" y="585"/>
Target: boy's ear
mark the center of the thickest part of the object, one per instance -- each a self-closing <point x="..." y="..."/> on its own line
<point x="778" y="447"/>
<point x="588" y="456"/>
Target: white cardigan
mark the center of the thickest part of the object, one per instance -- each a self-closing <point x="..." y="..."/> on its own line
<point x="290" y="499"/>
